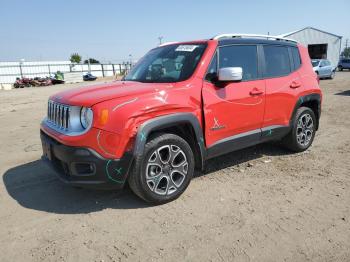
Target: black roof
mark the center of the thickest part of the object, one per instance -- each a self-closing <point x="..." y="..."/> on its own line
<point x="238" y="40"/>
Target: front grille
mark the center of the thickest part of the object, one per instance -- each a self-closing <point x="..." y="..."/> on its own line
<point x="58" y="115"/>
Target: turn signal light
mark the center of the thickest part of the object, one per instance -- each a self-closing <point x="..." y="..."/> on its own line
<point x="103" y="116"/>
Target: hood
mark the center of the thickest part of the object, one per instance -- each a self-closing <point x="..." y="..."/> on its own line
<point x="90" y="95"/>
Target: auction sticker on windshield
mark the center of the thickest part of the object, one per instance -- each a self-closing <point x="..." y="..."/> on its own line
<point x="186" y="48"/>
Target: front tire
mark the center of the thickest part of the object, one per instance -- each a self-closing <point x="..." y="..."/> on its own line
<point x="164" y="171"/>
<point x="332" y="75"/>
<point x="303" y="130"/>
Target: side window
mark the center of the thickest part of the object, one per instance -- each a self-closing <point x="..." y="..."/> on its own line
<point x="244" y="56"/>
<point x="212" y="70"/>
<point x="323" y="63"/>
<point x="296" y="57"/>
<point x="276" y="61"/>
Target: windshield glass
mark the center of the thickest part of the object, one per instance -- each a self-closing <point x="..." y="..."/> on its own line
<point x="167" y="64"/>
<point x="315" y="63"/>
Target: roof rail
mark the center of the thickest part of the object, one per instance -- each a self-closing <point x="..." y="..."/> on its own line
<point x="223" y="36"/>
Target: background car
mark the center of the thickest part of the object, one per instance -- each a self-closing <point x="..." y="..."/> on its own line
<point x="344" y="63"/>
<point x="89" y="77"/>
<point x="323" y="68"/>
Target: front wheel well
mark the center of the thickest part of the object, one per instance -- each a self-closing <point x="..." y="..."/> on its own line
<point x="186" y="131"/>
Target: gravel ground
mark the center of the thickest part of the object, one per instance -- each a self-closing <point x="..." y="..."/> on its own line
<point x="257" y="204"/>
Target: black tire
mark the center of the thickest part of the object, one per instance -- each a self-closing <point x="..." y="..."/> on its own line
<point x="332" y="75"/>
<point x="143" y="164"/>
<point x="340" y="68"/>
<point x="291" y="141"/>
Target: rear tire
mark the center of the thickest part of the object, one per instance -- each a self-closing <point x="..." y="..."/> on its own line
<point x="340" y="68"/>
<point x="164" y="171"/>
<point x="303" y="130"/>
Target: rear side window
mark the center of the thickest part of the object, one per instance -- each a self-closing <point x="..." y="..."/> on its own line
<point x="296" y="57"/>
<point x="277" y="61"/>
<point x="244" y="56"/>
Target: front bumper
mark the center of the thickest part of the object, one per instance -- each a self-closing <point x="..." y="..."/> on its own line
<point x="79" y="166"/>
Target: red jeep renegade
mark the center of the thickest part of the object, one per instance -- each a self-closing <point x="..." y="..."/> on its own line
<point x="181" y="104"/>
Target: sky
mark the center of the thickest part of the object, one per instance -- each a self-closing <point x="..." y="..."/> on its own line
<point x="110" y="30"/>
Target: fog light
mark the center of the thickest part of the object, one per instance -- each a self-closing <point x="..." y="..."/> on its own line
<point x="83" y="169"/>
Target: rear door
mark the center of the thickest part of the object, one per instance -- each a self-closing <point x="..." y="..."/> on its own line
<point x="283" y="84"/>
<point x="234" y="108"/>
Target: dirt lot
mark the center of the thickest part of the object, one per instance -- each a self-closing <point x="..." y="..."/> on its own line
<point x="259" y="204"/>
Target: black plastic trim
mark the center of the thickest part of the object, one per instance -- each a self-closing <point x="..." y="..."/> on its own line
<point x="275" y="132"/>
<point x="166" y="121"/>
<point x="307" y="98"/>
<point x="247" y="139"/>
<point x="234" y="143"/>
<point x="107" y="173"/>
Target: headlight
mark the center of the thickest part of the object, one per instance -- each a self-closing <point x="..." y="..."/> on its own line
<point x="86" y="116"/>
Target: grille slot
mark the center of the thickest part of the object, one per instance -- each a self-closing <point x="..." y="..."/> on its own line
<point x="58" y="115"/>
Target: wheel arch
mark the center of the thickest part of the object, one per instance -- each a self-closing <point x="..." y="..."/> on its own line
<point x="185" y="125"/>
<point x="312" y="101"/>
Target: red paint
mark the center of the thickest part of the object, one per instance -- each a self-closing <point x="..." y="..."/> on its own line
<point x="233" y="109"/>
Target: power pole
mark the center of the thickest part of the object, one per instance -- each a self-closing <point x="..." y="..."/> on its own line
<point x="160" y="38"/>
<point x="89" y="66"/>
<point x="345" y="48"/>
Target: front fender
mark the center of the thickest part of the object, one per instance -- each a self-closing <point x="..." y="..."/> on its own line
<point x="167" y="121"/>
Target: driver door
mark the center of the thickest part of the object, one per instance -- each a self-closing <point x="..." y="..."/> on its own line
<point x="233" y="111"/>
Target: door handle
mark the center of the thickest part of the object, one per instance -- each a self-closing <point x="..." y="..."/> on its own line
<point x="255" y="92"/>
<point x="295" y="84"/>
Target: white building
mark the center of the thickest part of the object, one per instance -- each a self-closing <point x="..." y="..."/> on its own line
<point x="320" y="44"/>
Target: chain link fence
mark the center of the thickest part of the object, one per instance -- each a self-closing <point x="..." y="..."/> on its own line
<point x="9" y="73"/>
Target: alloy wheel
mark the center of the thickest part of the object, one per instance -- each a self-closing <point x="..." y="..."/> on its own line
<point x="305" y="130"/>
<point x="166" y="169"/>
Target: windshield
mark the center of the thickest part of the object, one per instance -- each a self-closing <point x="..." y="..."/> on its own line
<point x="167" y="64"/>
<point x="315" y="63"/>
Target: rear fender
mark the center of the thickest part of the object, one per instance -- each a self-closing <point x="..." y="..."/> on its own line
<point x="305" y="100"/>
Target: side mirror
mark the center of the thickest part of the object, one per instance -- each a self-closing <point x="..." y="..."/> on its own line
<point x="229" y="74"/>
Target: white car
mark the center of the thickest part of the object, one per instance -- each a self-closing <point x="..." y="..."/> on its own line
<point x="323" y="68"/>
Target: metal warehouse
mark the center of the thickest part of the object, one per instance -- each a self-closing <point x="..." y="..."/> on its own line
<point x="320" y="44"/>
